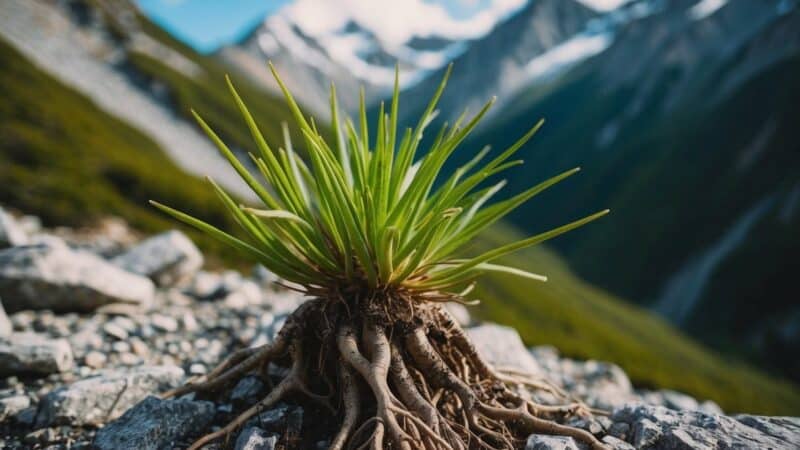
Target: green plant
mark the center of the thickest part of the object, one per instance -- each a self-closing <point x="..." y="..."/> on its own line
<point x="368" y="232"/>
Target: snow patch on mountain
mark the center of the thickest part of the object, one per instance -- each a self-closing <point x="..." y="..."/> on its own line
<point x="563" y="56"/>
<point x="705" y="8"/>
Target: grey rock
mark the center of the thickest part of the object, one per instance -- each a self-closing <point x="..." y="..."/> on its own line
<point x="661" y="428"/>
<point x="12" y="405"/>
<point x="6" y="327"/>
<point x="51" y="276"/>
<point x="11" y="232"/>
<point x="34" y="353"/>
<point x="254" y="438"/>
<point x="459" y="312"/>
<point x="104" y="396"/>
<point x="545" y="442"/>
<point x="164" y="323"/>
<point x="248" y="391"/>
<point x="645" y="433"/>
<point x="166" y="258"/>
<point x="502" y="347"/>
<point x="616" y="443"/>
<point x="784" y="428"/>
<point x="205" y="286"/>
<point x="275" y="419"/>
<point x="155" y="424"/>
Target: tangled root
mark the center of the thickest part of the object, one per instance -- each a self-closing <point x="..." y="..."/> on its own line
<point x="411" y="383"/>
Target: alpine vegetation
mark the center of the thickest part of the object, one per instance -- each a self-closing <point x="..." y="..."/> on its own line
<point x="362" y="225"/>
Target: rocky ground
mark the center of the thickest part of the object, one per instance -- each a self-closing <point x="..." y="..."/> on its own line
<point x="98" y="321"/>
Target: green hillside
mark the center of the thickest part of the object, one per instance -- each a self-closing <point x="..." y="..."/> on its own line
<point x="63" y="159"/>
<point x="677" y="182"/>
<point x="584" y="321"/>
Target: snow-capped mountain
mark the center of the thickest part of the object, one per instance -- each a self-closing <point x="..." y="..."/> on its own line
<point x="358" y="42"/>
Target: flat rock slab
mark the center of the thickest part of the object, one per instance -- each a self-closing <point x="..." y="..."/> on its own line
<point x="105" y="396"/>
<point x="660" y="428"/>
<point x="166" y="258"/>
<point x="156" y="424"/>
<point x="502" y="347"/>
<point x="50" y="275"/>
<point x="30" y="353"/>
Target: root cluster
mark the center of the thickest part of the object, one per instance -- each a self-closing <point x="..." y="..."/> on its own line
<point x="411" y="383"/>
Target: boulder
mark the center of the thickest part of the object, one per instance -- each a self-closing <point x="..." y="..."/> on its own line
<point x="5" y="323"/>
<point x="50" y="275"/>
<point x="502" y="347"/>
<point x="30" y="353"/>
<point x="254" y="438"/>
<point x="11" y="232"/>
<point x="166" y="258"/>
<point x="661" y="428"/>
<point x="105" y="395"/>
<point x="155" y="424"/>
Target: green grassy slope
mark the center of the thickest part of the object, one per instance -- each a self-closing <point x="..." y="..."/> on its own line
<point x="208" y="95"/>
<point x="586" y="322"/>
<point x="66" y="161"/>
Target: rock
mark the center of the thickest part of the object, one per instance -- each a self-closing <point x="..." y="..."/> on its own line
<point x="95" y="359"/>
<point x="166" y="258"/>
<point x="275" y="419"/>
<point x="661" y="428"/>
<point x="12" y="405"/>
<point x="254" y="438"/>
<point x="459" y="312"/>
<point x="205" y="286"/>
<point x="503" y="348"/>
<point x="164" y="323"/>
<point x="34" y="354"/>
<point x="546" y="442"/>
<point x="51" y="276"/>
<point x="785" y="428"/>
<point x="616" y="443"/>
<point x="248" y="293"/>
<point x="104" y="396"/>
<point x="11" y="232"/>
<point x="248" y="391"/>
<point x="5" y="323"/>
<point x="155" y="424"/>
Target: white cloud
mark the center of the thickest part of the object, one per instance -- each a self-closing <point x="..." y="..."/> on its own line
<point x="394" y="22"/>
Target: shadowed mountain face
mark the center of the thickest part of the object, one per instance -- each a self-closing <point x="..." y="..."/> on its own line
<point x="686" y="126"/>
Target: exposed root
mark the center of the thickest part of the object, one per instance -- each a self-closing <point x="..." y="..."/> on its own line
<point x="416" y="382"/>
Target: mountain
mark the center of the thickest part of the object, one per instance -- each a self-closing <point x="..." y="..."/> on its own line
<point x="500" y="63"/>
<point x="685" y="125"/>
<point x="357" y="43"/>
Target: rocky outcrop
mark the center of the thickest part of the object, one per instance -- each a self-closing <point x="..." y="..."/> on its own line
<point x="105" y="396"/>
<point x="50" y="275"/>
<point x="154" y="424"/>
<point x="660" y="428"/>
<point x="166" y="258"/>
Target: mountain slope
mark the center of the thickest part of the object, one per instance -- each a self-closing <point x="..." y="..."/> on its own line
<point x="65" y="159"/>
<point x="497" y="64"/>
<point x="141" y="75"/>
<point x="686" y="128"/>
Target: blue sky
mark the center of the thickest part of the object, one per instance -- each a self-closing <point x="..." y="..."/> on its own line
<point x="207" y="24"/>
